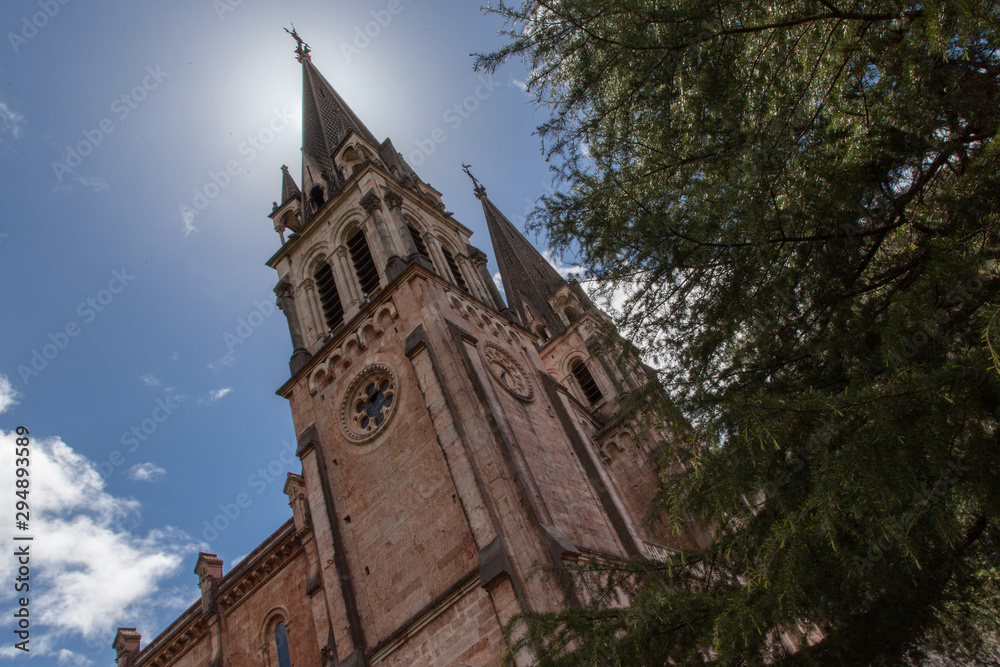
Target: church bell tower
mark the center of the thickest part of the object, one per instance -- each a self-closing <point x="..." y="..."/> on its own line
<point x="455" y="448"/>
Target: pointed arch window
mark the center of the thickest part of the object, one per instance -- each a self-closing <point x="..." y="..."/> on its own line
<point x="418" y="241"/>
<point x="316" y="197"/>
<point x="329" y="297"/>
<point x="281" y="646"/>
<point x="453" y="265"/>
<point x="586" y="381"/>
<point x="364" y="265"/>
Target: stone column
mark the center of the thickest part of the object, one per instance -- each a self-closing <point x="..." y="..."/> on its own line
<point x="343" y="274"/>
<point x="434" y="248"/>
<point x="313" y="313"/>
<point x="478" y="258"/>
<point x="286" y="303"/>
<point x="472" y="278"/>
<point x="394" y="264"/>
<point x="395" y="204"/>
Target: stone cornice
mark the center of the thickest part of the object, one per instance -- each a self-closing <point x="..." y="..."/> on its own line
<point x="248" y="576"/>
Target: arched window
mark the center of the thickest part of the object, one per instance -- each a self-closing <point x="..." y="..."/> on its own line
<point x="316" y="196"/>
<point x="453" y="265"/>
<point x="281" y="646"/>
<point x="418" y="240"/>
<point x="572" y="314"/>
<point x="329" y="297"/>
<point x="539" y="330"/>
<point x="586" y="381"/>
<point x="364" y="265"/>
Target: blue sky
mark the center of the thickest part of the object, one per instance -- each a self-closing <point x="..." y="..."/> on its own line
<point x="118" y="306"/>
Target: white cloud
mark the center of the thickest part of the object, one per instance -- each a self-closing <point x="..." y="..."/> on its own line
<point x="517" y="83"/>
<point x="67" y="657"/>
<point x="498" y="280"/>
<point x="145" y="472"/>
<point x="89" y="572"/>
<point x="187" y="217"/>
<point x="10" y="120"/>
<point x="567" y="271"/>
<point x="8" y="395"/>
<point x="219" y="394"/>
<point x="223" y="362"/>
<point x="150" y="380"/>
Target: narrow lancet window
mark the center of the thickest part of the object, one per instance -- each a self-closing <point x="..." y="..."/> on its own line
<point x="418" y="240"/>
<point x="364" y="265"/>
<point x="586" y="381"/>
<point x="453" y="265"/>
<point x="281" y="646"/>
<point x="316" y="197"/>
<point x="329" y="297"/>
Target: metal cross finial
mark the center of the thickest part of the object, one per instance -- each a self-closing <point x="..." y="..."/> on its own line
<point x="476" y="185"/>
<point x="302" y="50"/>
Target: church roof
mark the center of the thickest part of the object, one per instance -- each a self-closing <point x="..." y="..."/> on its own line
<point x="289" y="190"/>
<point x="326" y="119"/>
<point x="528" y="279"/>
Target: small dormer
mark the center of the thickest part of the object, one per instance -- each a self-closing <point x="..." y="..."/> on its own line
<point x="353" y="154"/>
<point x="567" y="305"/>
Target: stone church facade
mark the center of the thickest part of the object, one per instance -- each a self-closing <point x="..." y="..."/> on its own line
<point x="454" y="448"/>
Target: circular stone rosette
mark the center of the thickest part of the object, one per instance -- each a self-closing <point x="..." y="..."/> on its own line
<point x="369" y="403"/>
<point x="507" y="370"/>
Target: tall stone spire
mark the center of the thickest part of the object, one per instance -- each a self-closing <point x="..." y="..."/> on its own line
<point x="326" y="119"/>
<point x="289" y="190"/>
<point x="528" y="279"/>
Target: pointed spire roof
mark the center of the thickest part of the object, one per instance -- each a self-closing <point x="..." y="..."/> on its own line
<point x="289" y="190"/>
<point x="326" y="118"/>
<point x="528" y="279"/>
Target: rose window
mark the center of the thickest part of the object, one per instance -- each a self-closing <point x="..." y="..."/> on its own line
<point x="507" y="370"/>
<point x="368" y="403"/>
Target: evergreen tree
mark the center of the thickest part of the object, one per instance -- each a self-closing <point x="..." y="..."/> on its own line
<point x="802" y="200"/>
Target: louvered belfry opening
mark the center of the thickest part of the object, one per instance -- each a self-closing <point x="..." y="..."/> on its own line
<point x="418" y="240"/>
<point x="364" y="265"/>
<point x="453" y="265"/>
<point x="329" y="297"/>
<point x="586" y="381"/>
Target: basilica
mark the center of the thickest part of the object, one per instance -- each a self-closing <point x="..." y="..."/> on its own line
<point x="456" y="448"/>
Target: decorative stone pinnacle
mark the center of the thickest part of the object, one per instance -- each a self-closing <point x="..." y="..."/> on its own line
<point x="302" y="50"/>
<point x="476" y="185"/>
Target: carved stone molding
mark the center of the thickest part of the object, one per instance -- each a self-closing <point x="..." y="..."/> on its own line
<point x="369" y="403"/>
<point x="259" y="574"/>
<point x="371" y="202"/>
<point x="284" y="291"/>
<point x="339" y="359"/>
<point x="392" y="200"/>
<point x="473" y="312"/>
<point x="507" y="370"/>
